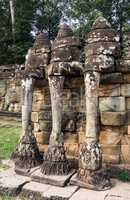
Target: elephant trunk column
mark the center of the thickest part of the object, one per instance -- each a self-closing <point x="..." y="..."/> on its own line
<point x="27" y="97"/>
<point x="55" y="161"/>
<point x="92" y="79"/>
<point x="27" y="153"/>
<point x="90" y="164"/>
<point x="100" y="52"/>
<point x="56" y="91"/>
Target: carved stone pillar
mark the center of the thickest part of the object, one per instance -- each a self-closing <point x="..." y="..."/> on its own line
<point x="27" y="154"/>
<point x="90" y="164"/>
<point x="55" y="161"/>
<point x="65" y="59"/>
<point x="93" y="156"/>
<point x="101" y="50"/>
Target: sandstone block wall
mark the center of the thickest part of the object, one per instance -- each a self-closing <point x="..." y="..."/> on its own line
<point x="114" y="105"/>
<point x="10" y="89"/>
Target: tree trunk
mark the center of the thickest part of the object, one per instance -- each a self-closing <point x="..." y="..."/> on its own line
<point x="90" y="164"/>
<point x="12" y="12"/>
<point x="55" y="161"/>
<point x="27" y="154"/>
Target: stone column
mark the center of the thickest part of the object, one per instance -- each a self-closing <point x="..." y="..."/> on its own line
<point x="27" y="154"/>
<point x="92" y="79"/>
<point x="100" y="52"/>
<point x="27" y="98"/>
<point x="65" y="50"/>
<point x="55" y="161"/>
<point x="90" y="161"/>
<point x="56" y="91"/>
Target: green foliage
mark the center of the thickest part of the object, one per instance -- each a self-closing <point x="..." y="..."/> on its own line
<point x="24" y="17"/>
<point x="124" y="176"/>
<point x="5" y="30"/>
<point x="37" y="15"/>
<point x="9" y="136"/>
<point x="30" y="16"/>
<point x="116" y="11"/>
<point x="48" y="16"/>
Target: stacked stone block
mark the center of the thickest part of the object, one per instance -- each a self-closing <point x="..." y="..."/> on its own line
<point x="10" y="89"/>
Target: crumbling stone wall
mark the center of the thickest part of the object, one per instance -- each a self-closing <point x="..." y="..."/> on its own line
<point x="114" y="105"/>
<point x="10" y="89"/>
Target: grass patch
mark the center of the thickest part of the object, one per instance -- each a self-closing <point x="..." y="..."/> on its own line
<point x="3" y="167"/>
<point x="9" y="136"/>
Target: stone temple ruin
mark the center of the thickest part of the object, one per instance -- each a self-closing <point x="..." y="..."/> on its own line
<point x="75" y="107"/>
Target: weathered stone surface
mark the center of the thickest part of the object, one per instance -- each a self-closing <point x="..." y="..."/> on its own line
<point x="45" y="115"/>
<point x="113" y="118"/>
<point x="111" y="149"/>
<point x="70" y="126"/>
<point x="128" y="117"/>
<point x="10" y="181"/>
<point x="120" y="191"/>
<point x="103" y="35"/>
<point x="90" y="157"/>
<point x="100" y="62"/>
<point x="126" y="78"/>
<point x="111" y="48"/>
<point x="128" y="103"/>
<point x="95" y="180"/>
<point x="125" y="90"/>
<point x="102" y="31"/>
<point x="34" y="117"/>
<point x="81" y="136"/>
<point x="45" y="125"/>
<point x="128" y="130"/>
<point x="70" y="138"/>
<point x="57" y="180"/>
<point x="110" y="135"/>
<point x="74" y="41"/>
<point x="124" y="66"/>
<point x="109" y="90"/>
<point x="36" y="127"/>
<point x="113" y="159"/>
<point x="111" y="78"/>
<point x="125" y="151"/>
<point x="125" y="140"/>
<point x="39" y="105"/>
<point x="84" y="194"/>
<point x="2" y="88"/>
<point x="72" y="150"/>
<point x="65" y="54"/>
<point x="34" y="187"/>
<point x="27" y="153"/>
<point x="111" y="104"/>
<point x="55" y="161"/>
<point x="43" y="147"/>
<point x="42" y="137"/>
<point x="73" y="68"/>
<point x="60" y="193"/>
<point x="12" y="96"/>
